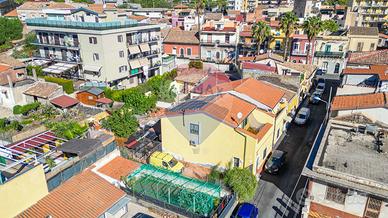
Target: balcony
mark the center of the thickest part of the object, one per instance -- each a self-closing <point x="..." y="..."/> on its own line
<point x="58" y="44"/>
<point x="329" y="54"/>
<point x="149" y="54"/>
<point x="216" y="43"/>
<point x="141" y="41"/>
<point x="298" y="53"/>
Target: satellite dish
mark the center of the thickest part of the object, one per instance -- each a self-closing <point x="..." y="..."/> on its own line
<point x="239" y="115"/>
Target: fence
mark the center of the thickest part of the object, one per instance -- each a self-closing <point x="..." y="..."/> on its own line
<point x="80" y="165"/>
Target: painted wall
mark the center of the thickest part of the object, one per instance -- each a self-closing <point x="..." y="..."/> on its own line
<point x="369" y="43"/>
<point x="169" y="49"/>
<point x="375" y="114"/>
<point x="22" y="192"/>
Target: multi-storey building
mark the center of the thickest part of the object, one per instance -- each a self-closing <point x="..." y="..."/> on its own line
<point x="118" y="51"/>
<point x="347" y="175"/>
<point x="235" y="5"/>
<point x="247" y="45"/>
<point x="299" y="49"/>
<point x="219" y="41"/>
<point x="363" y="39"/>
<point x="330" y="52"/>
<point x="369" y="13"/>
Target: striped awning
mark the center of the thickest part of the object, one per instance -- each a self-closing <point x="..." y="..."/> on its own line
<point x="133" y="49"/>
<point x="135" y="64"/>
<point x="145" y="48"/>
<point x="144" y="62"/>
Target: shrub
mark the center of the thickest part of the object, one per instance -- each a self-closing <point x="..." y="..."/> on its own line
<point x="25" y="109"/>
<point x="6" y="125"/>
<point x="139" y="102"/>
<point x="170" y="75"/>
<point x="38" y="70"/>
<point x="67" y="85"/>
<point x="196" y="64"/>
<point x="67" y="129"/>
<point x="122" y="123"/>
<point x="242" y="182"/>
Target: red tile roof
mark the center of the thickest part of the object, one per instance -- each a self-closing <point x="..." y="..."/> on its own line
<point x="64" y="101"/>
<point x="351" y="102"/>
<point x="211" y="81"/>
<point x="369" y="58"/>
<point x="104" y="100"/>
<point x="12" y="13"/>
<point x="261" y="91"/>
<point x="119" y="167"/>
<point x="4" y="67"/>
<point x="380" y="70"/>
<point x="257" y="66"/>
<point x="84" y="195"/>
<point x="260" y="134"/>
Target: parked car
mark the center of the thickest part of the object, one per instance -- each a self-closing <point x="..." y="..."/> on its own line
<point x="247" y="210"/>
<point x="320" y="87"/>
<point x="275" y="161"/>
<point x="314" y="98"/>
<point x="302" y="116"/>
<point x="165" y="161"/>
<point x="142" y="215"/>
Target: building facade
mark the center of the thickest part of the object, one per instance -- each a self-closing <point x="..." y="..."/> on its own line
<point x="114" y="52"/>
<point x="367" y="13"/>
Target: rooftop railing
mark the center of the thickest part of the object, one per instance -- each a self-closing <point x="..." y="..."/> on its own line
<point x="81" y="25"/>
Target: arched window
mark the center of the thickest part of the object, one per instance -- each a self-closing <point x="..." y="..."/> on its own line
<point x="182" y="52"/>
<point x="337" y="68"/>
<point x="218" y="55"/>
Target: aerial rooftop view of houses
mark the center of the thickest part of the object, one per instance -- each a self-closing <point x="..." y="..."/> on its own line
<point x="193" y="108"/>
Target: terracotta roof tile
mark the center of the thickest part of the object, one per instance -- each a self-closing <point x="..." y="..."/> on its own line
<point x="269" y="55"/>
<point x="260" y="134"/>
<point x="181" y="37"/>
<point x="9" y="60"/>
<point x="119" y="167"/>
<point x="307" y="69"/>
<point x="190" y="75"/>
<point x="258" y="66"/>
<point x="64" y="101"/>
<point x="104" y="100"/>
<point x="369" y="58"/>
<point x="364" y="31"/>
<point x="84" y="195"/>
<point x="210" y="81"/>
<point x="380" y="70"/>
<point x="15" y="76"/>
<point x="261" y="91"/>
<point x="4" y="67"/>
<point x="42" y="89"/>
<point x="350" y="102"/>
<point x="12" y="13"/>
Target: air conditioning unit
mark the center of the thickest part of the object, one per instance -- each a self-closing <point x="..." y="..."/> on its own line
<point x="192" y="142"/>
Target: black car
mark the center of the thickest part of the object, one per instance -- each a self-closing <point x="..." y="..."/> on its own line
<point x="142" y="215"/>
<point x="275" y="161"/>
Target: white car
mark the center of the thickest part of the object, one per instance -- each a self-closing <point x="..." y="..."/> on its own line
<point x="302" y="116"/>
<point x="320" y="88"/>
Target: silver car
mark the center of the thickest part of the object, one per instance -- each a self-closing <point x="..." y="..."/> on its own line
<point x="302" y="116"/>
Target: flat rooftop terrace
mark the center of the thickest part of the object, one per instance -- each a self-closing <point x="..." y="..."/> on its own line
<point x="355" y="154"/>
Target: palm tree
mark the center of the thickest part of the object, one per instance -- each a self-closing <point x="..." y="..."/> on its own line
<point x="260" y="31"/>
<point x="288" y="23"/>
<point x="199" y="7"/>
<point x="312" y="26"/>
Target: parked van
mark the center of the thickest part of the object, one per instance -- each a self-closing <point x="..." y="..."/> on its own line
<point x="165" y="161"/>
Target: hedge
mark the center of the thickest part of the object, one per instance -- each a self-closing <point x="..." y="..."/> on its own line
<point x="67" y="85"/>
<point x="196" y="64"/>
<point x="25" y="109"/>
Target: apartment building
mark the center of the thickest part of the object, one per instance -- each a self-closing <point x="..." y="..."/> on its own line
<point x="121" y="51"/>
<point x="300" y="46"/>
<point x="362" y="39"/>
<point x="235" y="5"/>
<point x="219" y="41"/>
<point x="367" y="13"/>
<point x="247" y="45"/>
<point x="183" y="44"/>
<point x="330" y="52"/>
<point x="347" y="176"/>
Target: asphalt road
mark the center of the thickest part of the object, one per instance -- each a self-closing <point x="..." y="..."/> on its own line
<point x="274" y="191"/>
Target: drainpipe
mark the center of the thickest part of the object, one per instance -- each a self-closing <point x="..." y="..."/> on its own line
<point x="10" y="83"/>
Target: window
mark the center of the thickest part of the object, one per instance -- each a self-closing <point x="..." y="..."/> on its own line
<point x="182" y="52"/>
<point x="188" y="51"/>
<point x="277" y="45"/>
<point x="121" y="54"/>
<point x="227" y="38"/>
<point x="123" y="68"/>
<point x="264" y="153"/>
<point x="372" y="47"/>
<point x="90" y="97"/>
<point x="325" y="65"/>
<point x="335" y="194"/>
<point x="295" y="46"/>
<point x="360" y="46"/>
<point x="96" y="57"/>
<point x="245" y="122"/>
<point x="327" y="48"/>
<point x="164" y="164"/>
<point x="218" y="55"/>
<point x="194" y="129"/>
<point x="236" y="162"/>
<point x="337" y="68"/>
<point x="92" y="40"/>
<point x="373" y="207"/>
<point x="340" y="48"/>
<point x="5" y="94"/>
<point x="119" y="38"/>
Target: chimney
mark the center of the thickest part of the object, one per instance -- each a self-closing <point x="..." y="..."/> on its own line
<point x="34" y="74"/>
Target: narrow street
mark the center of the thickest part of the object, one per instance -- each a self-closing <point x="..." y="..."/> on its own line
<point x="274" y="191"/>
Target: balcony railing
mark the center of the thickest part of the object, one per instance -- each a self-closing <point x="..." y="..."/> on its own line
<point x="298" y="53"/>
<point x="74" y="45"/>
<point x="140" y="41"/>
<point x="143" y="54"/>
<point x="329" y="54"/>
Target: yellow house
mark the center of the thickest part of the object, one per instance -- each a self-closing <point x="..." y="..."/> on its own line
<point x="22" y="191"/>
<point x="276" y="44"/>
<point x="237" y="123"/>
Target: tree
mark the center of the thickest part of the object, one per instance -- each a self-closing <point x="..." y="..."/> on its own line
<point x="67" y="129"/>
<point x="312" y="26"/>
<point x="288" y="23"/>
<point x="330" y="26"/>
<point x="122" y="123"/>
<point x="221" y="4"/>
<point x="11" y="29"/>
<point x="160" y="86"/>
<point x="261" y="31"/>
<point x="19" y="2"/>
<point x="242" y="182"/>
<point x="199" y="7"/>
<point x="139" y="102"/>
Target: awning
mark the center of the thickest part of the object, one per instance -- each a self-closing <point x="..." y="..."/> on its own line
<point x="59" y="68"/>
<point x="135" y="64"/>
<point x="92" y="68"/>
<point x="154" y="47"/>
<point x="144" y="62"/>
<point x="144" y="47"/>
<point x="133" y="49"/>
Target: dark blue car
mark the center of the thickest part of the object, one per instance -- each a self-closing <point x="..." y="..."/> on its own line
<point x="247" y="210"/>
